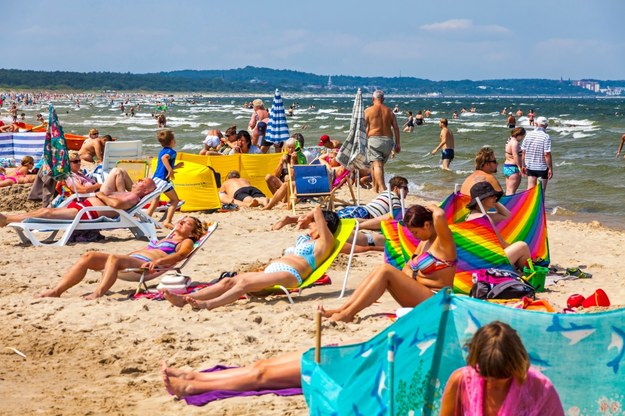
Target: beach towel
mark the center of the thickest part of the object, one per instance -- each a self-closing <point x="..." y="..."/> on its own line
<point x="203" y="398"/>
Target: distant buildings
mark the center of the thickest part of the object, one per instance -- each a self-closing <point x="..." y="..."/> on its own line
<point x="589" y="85"/>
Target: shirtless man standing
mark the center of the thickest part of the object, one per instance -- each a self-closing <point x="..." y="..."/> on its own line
<point x="239" y="191"/>
<point x="447" y="143"/>
<point x="380" y="120"/>
<point x="109" y="195"/>
<point x="92" y="149"/>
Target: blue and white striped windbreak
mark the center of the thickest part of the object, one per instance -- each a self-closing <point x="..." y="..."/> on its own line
<point x="277" y="129"/>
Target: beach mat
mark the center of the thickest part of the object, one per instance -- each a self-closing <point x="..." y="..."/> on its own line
<point x="204" y="398"/>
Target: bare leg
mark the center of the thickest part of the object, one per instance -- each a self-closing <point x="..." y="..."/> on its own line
<point x="280" y="195"/>
<point x="512" y="183"/>
<point x="174" y="299"/>
<point x="241" y="284"/>
<point x="518" y="253"/>
<point x="273" y="183"/>
<point x="406" y="291"/>
<point x="446" y="163"/>
<point x="50" y="213"/>
<point x="284" y="221"/>
<point x="89" y="261"/>
<point x="531" y="181"/>
<point x="173" y="206"/>
<point x="544" y="184"/>
<point x="116" y="181"/>
<point x="377" y="174"/>
<point x="275" y="373"/>
<point x="114" y="264"/>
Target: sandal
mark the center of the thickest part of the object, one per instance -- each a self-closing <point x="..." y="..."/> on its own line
<point x="576" y="272"/>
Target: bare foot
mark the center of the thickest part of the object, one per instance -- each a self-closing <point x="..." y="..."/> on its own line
<point x="92" y="296"/>
<point x="3" y="220"/>
<point x="168" y="225"/>
<point x="195" y="304"/>
<point x="48" y="294"/>
<point x="171" y="371"/>
<point x="341" y="317"/>
<point x="174" y="385"/>
<point x="174" y="299"/>
<point x="326" y="313"/>
<point x="253" y="203"/>
<point x="281" y="223"/>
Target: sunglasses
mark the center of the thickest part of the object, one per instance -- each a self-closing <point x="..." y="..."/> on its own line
<point x="75" y="161"/>
<point x="492" y="161"/>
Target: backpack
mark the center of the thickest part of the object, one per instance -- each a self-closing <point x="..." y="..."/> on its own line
<point x="500" y="284"/>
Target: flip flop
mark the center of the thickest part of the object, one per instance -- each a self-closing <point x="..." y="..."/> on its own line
<point x="577" y="273"/>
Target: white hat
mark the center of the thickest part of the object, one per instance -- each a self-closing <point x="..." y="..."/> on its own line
<point x="542" y="121"/>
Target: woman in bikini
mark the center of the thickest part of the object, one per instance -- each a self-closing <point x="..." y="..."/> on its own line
<point x="19" y="175"/>
<point x="290" y="270"/>
<point x="512" y="165"/>
<point x="167" y="252"/>
<point x="432" y="267"/>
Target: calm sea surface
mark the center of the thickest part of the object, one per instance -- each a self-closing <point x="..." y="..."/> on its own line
<point x="588" y="183"/>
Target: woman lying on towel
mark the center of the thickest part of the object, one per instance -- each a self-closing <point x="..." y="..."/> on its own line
<point x="498" y="379"/>
<point x="517" y="252"/>
<point x="290" y="270"/>
<point x="432" y="267"/>
<point x="167" y="252"/>
<point x="23" y="174"/>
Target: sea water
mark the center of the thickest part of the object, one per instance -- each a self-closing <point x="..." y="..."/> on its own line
<point x="588" y="182"/>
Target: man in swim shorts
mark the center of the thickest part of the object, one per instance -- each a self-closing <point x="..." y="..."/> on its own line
<point x="380" y="120"/>
<point x="239" y="191"/>
<point x="107" y="196"/>
<point x="447" y="143"/>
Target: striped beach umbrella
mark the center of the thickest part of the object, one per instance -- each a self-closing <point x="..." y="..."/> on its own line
<point x="353" y="153"/>
<point x="277" y="129"/>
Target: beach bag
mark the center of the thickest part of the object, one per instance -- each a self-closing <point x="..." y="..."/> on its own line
<point x="500" y="284"/>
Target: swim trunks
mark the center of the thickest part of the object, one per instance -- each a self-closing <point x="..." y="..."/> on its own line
<point x="379" y="148"/>
<point x="282" y="267"/>
<point x="542" y="174"/>
<point x="78" y="205"/>
<point x="418" y="121"/>
<point x="448" y="154"/>
<point x="510" y="169"/>
<point x="246" y="191"/>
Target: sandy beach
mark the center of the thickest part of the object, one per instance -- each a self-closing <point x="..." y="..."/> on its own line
<point x="103" y="356"/>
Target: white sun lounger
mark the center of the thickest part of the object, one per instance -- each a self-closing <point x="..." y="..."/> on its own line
<point x="134" y="219"/>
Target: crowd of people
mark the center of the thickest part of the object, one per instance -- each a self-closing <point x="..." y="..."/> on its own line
<point x="497" y="363"/>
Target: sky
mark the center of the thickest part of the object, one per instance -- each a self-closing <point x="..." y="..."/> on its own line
<point x="436" y="40"/>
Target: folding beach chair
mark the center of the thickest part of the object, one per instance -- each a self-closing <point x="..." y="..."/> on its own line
<point x="134" y="219"/>
<point x="142" y="274"/>
<point x="312" y="182"/>
<point x="340" y="238"/>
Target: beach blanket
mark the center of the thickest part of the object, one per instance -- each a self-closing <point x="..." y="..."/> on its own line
<point x="203" y="398"/>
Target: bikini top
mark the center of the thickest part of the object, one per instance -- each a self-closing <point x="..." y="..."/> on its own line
<point x="304" y="247"/>
<point x="166" y="246"/>
<point x="427" y="264"/>
<point x="510" y="153"/>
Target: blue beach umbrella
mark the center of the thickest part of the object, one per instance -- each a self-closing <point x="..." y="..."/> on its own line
<point x="277" y="129"/>
<point x="55" y="153"/>
<point x="353" y="153"/>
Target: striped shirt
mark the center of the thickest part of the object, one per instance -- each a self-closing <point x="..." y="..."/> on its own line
<point x="536" y="144"/>
<point x="380" y="205"/>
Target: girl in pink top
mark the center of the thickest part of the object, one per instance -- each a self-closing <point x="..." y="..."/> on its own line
<point x="498" y="380"/>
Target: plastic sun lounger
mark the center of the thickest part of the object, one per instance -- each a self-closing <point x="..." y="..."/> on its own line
<point x="132" y="274"/>
<point x="134" y="219"/>
<point x="342" y="235"/>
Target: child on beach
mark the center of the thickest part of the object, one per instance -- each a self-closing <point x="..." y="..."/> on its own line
<point x="165" y="172"/>
<point x="19" y="175"/>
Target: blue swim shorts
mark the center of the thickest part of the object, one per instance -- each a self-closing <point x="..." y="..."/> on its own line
<point x="448" y="154"/>
<point x="510" y="169"/>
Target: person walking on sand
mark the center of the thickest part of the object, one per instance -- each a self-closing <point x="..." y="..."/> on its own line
<point x="620" y="147"/>
<point x="380" y="120"/>
<point x="447" y="143"/>
<point x="537" y="161"/>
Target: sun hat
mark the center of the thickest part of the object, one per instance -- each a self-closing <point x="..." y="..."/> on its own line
<point x="542" y="121"/>
<point x="482" y="190"/>
<point x="324" y="139"/>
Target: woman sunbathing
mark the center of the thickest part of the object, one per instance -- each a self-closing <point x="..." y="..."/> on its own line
<point x="19" y="175"/>
<point x="290" y="270"/>
<point x="167" y="252"/>
<point x="517" y="252"/>
<point x="432" y="267"/>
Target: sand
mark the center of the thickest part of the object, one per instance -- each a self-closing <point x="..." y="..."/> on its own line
<point x="103" y="356"/>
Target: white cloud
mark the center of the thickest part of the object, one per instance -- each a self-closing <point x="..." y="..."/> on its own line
<point x="464" y="25"/>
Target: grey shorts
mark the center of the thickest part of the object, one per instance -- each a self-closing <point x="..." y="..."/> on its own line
<point x="379" y="148"/>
